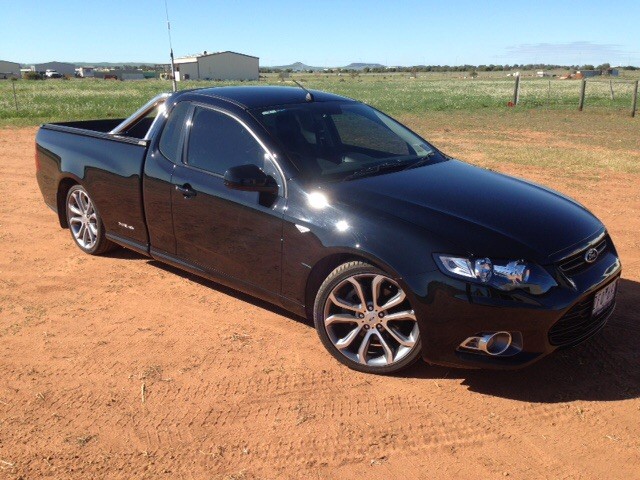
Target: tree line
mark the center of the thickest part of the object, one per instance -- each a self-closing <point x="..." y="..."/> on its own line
<point x="459" y="68"/>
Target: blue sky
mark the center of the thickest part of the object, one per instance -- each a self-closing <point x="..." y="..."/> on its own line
<point x="325" y="33"/>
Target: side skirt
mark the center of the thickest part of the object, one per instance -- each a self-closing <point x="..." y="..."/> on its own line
<point x="138" y="247"/>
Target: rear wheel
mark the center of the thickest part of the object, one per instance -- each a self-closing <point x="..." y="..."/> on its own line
<point x="365" y="320"/>
<point x="85" y="224"/>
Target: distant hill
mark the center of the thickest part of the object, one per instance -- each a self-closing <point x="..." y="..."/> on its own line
<point x="99" y="64"/>
<point x="113" y="64"/>
<point x="362" y="66"/>
<point x="297" y="67"/>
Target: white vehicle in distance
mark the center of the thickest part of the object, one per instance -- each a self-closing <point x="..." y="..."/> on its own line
<point x="52" y="74"/>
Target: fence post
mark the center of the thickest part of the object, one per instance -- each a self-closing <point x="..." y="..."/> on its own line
<point x="15" y="98"/>
<point x="635" y="98"/>
<point x="516" y="90"/>
<point x="583" y="87"/>
<point x="611" y="88"/>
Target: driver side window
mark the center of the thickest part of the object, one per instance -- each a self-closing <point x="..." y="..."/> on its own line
<point x="218" y="142"/>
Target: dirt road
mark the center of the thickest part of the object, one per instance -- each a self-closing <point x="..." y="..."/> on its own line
<point x="121" y="367"/>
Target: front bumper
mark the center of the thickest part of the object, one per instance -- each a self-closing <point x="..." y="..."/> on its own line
<point x="450" y="310"/>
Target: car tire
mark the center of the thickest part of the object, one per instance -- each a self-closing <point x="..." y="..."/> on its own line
<point x="365" y="320"/>
<point x="85" y="224"/>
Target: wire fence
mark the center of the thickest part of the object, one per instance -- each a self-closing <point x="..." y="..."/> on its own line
<point x="26" y="102"/>
<point x="579" y="94"/>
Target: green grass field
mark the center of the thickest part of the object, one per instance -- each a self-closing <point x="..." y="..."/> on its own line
<point x="466" y="118"/>
<point x="397" y="94"/>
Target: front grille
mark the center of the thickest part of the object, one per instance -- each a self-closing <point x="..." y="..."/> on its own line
<point x="578" y="324"/>
<point x="577" y="264"/>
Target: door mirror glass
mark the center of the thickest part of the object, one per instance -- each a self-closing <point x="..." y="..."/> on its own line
<point x="249" y="178"/>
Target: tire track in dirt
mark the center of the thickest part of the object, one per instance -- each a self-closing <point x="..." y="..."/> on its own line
<point x="79" y="336"/>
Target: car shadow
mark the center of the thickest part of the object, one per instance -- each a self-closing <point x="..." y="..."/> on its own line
<point x="604" y="368"/>
<point x="243" y="297"/>
<point x="121" y="253"/>
<point x="126" y="254"/>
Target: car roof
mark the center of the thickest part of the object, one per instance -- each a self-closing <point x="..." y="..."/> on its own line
<point x="251" y="97"/>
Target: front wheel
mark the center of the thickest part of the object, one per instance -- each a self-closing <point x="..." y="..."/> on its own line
<point x="84" y="221"/>
<point x="365" y="320"/>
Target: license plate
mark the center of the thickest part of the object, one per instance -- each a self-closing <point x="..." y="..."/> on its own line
<point x="604" y="298"/>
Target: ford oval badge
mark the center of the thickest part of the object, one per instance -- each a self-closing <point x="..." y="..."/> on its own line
<point x="591" y="255"/>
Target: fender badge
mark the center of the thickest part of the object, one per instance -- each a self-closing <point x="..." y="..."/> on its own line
<point x="124" y="225"/>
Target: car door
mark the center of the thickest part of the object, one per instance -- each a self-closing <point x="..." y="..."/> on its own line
<point x="229" y="232"/>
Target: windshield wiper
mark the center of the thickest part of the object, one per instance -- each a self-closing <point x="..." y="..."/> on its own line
<point x="422" y="162"/>
<point x="374" y="169"/>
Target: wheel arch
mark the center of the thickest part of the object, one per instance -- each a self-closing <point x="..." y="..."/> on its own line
<point x="64" y="186"/>
<point x="323" y="267"/>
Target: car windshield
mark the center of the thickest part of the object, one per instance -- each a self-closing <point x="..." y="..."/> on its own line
<point x="334" y="141"/>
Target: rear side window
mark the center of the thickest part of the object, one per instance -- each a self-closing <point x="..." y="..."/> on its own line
<point x="217" y="142"/>
<point x="170" y="140"/>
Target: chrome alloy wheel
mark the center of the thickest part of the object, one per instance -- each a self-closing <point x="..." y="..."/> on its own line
<point x="370" y="321"/>
<point x="83" y="219"/>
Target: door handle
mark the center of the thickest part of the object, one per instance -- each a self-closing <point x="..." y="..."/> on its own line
<point x="186" y="190"/>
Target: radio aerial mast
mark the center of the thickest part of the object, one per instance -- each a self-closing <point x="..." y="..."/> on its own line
<point x="173" y="68"/>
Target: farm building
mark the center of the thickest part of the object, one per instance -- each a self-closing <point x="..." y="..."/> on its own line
<point x="130" y="74"/>
<point x="119" y="74"/>
<point x="60" y="67"/>
<point x="613" y="72"/>
<point x="84" y="72"/>
<point x="9" y="69"/>
<point x="590" y="73"/>
<point x="217" y="66"/>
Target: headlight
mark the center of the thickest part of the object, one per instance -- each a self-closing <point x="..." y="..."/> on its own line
<point x="505" y="275"/>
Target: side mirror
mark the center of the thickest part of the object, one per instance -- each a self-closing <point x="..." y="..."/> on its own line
<point x="249" y="178"/>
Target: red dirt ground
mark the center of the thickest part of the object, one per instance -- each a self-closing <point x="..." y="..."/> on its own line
<point x="121" y="367"/>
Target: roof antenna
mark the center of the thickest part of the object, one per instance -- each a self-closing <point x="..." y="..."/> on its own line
<point x="309" y="97"/>
<point x="173" y="68"/>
